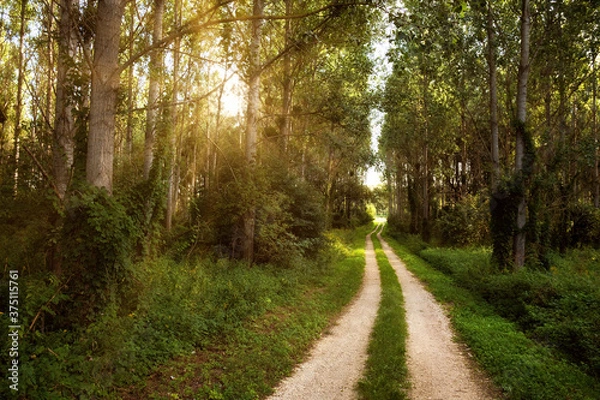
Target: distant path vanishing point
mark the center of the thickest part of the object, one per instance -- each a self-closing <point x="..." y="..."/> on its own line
<point x="337" y="361"/>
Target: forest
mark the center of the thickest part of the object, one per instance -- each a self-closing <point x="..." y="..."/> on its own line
<point x="184" y="182"/>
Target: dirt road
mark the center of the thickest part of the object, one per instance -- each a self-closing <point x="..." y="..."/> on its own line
<point x="337" y="361"/>
<point x="438" y="369"/>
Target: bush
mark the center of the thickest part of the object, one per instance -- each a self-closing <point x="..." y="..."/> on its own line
<point x="584" y="225"/>
<point x="465" y="222"/>
<point x="560" y="308"/>
<point x="289" y="222"/>
<point x="524" y="369"/>
<point x="96" y="240"/>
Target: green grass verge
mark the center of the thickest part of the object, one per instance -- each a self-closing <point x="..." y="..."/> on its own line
<point x="386" y="375"/>
<point x="248" y="359"/>
<point x="522" y="368"/>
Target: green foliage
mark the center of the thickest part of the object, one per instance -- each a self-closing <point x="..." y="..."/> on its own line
<point x="583" y="225"/>
<point x="558" y="308"/>
<point x="96" y="242"/>
<point x="522" y="368"/>
<point x="465" y="222"/>
<point x="26" y="223"/>
<point x="386" y="375"/>
<point x="252" y="324"/>
<point x="289" y="216"/>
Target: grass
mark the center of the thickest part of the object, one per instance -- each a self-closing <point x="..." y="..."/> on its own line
<point x="386" y="376"/>
<point x="203" y="329"/>
<point x="521" y="367"/>
<point x="249" y="358"/>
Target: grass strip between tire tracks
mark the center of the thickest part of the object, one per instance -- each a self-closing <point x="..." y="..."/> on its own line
<point x="523" y="369"/>
<point x="386" y="375"/>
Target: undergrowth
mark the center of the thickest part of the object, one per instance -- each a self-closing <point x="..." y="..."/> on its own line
<point x="386" y="375"/>
<point x="559" y="307"/>
<point x="523" y="368"/>
<point x="228" y="330"/>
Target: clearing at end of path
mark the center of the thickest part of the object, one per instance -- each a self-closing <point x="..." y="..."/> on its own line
<point x="438" y="368"/>
<point x="336" y="363"/>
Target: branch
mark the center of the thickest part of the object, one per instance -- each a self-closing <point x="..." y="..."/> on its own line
<point x="192" y="26"/>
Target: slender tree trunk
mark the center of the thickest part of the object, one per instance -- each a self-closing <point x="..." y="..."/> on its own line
<point x="493" y="86"/>
<point x="519" y="238"/>
<point x="398" y="187"/>
<point x="173" y="179"/>
<point x="425" y="205"/>
<point x="51" y="61"/>
<point x="252" y="120"/>
<point x="288" y="82"/>
<point x="153" y="88"/>
<point x="214" y="154"/>
<point x="130" y="98"/>
<point x="19" y="100"/>
<point x="64" y="125"/>
<point x="103" y="101"/>
<point x="595" y="136"/>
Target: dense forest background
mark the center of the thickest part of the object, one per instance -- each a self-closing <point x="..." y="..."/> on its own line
<point x="136" y="131"/>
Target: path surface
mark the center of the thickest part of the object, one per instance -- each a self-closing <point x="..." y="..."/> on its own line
<point x="337" y="361"/>
<point x="437" y="367"/>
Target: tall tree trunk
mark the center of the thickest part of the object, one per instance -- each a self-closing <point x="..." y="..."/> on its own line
<point x="425" y="205"/>
<point x="595" y="135"/>
<point x="173" y="177"/>
<point x="288" y="82"/>
<point x="130" y="98"/>
<point x="19" y="100"/>
<point x="103" y="101"/>
<point x="153" y="88"/>
<point x="252" y="120"/>
<point x="519" y="237"/>
<point x="493" y="86"/>
<point x="64" y="125"/>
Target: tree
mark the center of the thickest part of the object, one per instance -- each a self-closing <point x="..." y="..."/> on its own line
<point x="64" y="124"/>
<point x="523" y="166"/>
<point x="103" y="101"/>
<point x="153" y="87"/>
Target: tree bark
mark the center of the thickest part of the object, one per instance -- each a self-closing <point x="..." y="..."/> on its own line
<point x="595" y="135"/>
<point x="153" y="88"/>
<point x="493" y="86"/>
<point x="519" y="237"/>
<point x="105" y="83"/>
<point x="288" y="82"/>
<point x="252" y="120"/>
<point x="19" y="100"/>
<point x="64" y="125"/>
<point x="173" y="179"/>
<point x="130" y="95"/>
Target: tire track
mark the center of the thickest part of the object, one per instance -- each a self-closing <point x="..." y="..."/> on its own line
<point x="337" y="361"/>
<point x="438" y="369"/>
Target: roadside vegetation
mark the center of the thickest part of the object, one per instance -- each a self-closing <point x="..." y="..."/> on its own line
<point x="211" y="329"/>
<point x="535" y="332"/>
<point x="386" y="375"/>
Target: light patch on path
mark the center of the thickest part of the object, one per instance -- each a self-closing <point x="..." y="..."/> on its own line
<point x="337" y="362"/>
<point x="437" y="367"/>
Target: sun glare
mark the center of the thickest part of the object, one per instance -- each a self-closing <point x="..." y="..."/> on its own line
<point x="233" y="101"/>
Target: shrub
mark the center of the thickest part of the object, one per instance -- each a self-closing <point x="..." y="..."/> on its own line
<point x="560" y="308"/>
<point x="465" y="222"/>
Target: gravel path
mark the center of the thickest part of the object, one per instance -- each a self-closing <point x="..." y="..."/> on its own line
<point x="438" y="368"/>
<point x="337" y="361"/>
